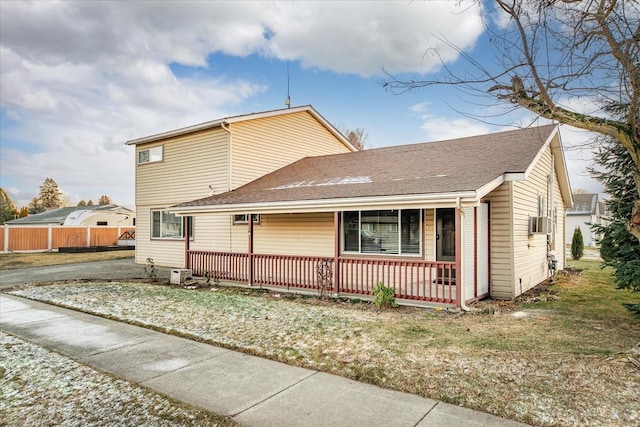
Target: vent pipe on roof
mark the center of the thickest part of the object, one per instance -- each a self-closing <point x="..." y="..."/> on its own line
<point x="287" y="101"/>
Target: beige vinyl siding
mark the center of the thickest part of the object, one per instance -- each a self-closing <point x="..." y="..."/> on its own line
<point x="263" y="145"/>
<point x="289" y="234"/>
<point x="530" y="251"/>
<point x="190" y="164"/>
<point x="167" y="253"/>
<point x="430" y="235"/>
<point x="501" y="242"/>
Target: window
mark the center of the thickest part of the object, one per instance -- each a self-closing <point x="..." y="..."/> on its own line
<point x="376" y="232"/>
<point x="244" y="219"/>
<point x="99" y="223"/>
<point x="165" y="225"/>
<point x="153" y="154"/>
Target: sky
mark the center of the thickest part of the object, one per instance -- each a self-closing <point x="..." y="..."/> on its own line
<point x="79" y="79"/>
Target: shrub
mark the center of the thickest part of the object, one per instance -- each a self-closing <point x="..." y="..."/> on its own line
<point x="151" y="271"/>
<point x="383" y="296"/>
<point x="577" y="244"/>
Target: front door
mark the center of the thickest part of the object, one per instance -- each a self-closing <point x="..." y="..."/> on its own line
<point x="446" y="234"/>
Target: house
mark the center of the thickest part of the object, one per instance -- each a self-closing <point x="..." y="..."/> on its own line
<point x="442" y="222"/>
<point x="101" y="215"/>
<point x="587" y="209"/>
<point x="211" y="158"/>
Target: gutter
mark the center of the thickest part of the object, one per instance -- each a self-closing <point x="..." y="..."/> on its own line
<point x="330" y="205"/>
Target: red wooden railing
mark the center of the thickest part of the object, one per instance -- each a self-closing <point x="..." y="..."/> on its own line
<point x="286" y="270"/>
<point x="220" y="265"/>
<point x="413" y="280"/>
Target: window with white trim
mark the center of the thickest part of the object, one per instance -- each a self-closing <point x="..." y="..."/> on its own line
<point x="393" y="232"/>
<point x="244" y="218"/>
<point x="150" y="155"/>
<point x="166" y="225"/>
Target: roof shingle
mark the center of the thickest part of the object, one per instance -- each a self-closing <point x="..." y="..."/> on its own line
<point x="452" y="166"/>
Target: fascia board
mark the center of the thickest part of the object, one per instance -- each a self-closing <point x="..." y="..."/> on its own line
<point x="176" y="132"/>
<point x="331" y="205"/>
<point x="541" y="152"/>
<point x="490" y="186"/>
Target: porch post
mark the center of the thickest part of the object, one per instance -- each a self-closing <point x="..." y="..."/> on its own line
<point x="187" y="258"/>
<point x="336" y="252"/>
<point x="459" y="276"/>
<point x="250" y="246"/>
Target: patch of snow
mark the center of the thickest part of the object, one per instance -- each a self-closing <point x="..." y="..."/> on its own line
<point x="334" y="181"/>
<point x="519" y="314"/>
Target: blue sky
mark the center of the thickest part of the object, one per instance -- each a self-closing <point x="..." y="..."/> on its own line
<point x="78" y="79"/>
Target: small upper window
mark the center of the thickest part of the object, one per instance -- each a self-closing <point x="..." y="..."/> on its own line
<point x="244" y="218"/>
<point x="99" y="223"/>
<point x="153" y="154"/>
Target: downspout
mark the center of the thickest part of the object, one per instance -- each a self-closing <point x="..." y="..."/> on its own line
<point x="461" y="301"/>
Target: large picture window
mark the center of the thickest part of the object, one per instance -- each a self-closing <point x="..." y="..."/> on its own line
<point x="165" y="225"/>
<point x="395" y="232"/>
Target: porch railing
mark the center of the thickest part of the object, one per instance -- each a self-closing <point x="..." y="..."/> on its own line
<point x="220" y="265"/>
<point x="412" y="280"/>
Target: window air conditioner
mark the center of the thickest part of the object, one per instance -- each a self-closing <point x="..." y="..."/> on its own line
<point x="539" y="225"/>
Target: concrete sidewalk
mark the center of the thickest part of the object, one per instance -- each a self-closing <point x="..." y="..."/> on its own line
<point x="251" y="390"/>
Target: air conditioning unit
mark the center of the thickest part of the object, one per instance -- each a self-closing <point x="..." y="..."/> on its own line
<point x="539" y="225"/>
<point x="178" y="275"/>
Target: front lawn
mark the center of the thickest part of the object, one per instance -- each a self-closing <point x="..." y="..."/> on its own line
<point x="561" y="360"/>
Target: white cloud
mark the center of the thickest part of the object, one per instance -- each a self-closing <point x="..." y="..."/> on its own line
<point x="80" y="78"/>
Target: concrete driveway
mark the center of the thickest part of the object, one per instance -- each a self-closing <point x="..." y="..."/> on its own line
<point x="118" y="269"/>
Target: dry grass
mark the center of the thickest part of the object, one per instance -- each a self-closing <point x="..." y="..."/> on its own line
<point x="567" y="362"/>
<point x="41" y="259"/>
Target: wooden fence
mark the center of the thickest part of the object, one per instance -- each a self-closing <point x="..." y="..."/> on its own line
<point x="52" y="237"/>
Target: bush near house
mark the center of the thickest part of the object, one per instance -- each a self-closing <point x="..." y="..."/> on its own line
<point x="577" y="244"/>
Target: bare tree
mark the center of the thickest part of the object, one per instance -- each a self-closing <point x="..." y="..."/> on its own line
<point x="357" y="137"/>
<point x="554" y="52"/>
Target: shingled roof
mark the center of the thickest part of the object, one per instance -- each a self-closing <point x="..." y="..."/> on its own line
<point x="584" y="204"/>
<point x="446" y="167"/>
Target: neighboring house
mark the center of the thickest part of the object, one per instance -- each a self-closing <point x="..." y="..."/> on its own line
<point x="101" y="215"/>
<point x="587" y="209"/>
<point x="442" y="222"/>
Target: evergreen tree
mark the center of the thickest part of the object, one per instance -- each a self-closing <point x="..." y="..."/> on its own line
<point x="50" y="196"/>
<point x="24" y="211"/>
<point x="8" y="210"/>
<point x="618" y="248"/>
<point x="577" y="244"/>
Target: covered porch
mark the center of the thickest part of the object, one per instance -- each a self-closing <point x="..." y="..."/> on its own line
<point x="420" y="272"/>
